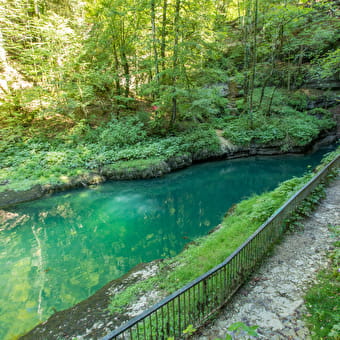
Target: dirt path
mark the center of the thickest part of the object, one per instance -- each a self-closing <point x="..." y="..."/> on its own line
<point x="226" y="145"/>
<point x="273" y="299"/>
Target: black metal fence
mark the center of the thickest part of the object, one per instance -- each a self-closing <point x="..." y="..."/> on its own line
<point x="198" y="300"/>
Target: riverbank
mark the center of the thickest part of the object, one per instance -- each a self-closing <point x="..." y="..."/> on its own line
<point x="156" y="167"/>
<point x="91" y="319"/>
<point x="273" y="299"/>
<point x="37" y="163"/>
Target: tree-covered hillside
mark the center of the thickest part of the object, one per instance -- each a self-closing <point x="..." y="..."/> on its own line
<point x="95" y="83"/>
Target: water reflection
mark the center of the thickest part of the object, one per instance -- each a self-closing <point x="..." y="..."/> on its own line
<point x="57" y="251"/>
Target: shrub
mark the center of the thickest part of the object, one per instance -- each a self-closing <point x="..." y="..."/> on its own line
<point x="121" y="133"/>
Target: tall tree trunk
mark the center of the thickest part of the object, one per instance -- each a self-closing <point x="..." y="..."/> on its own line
<point x="3" y="65"/>
<point x="246" y="62"/>
<point x="154" y="36"/>
<point x="254" y="61"/>
<point x="175" y="61"/>
<point x="126" y="68"/>
<point x="271" y="102"/>
<point x="272" y="67"/>
<point x="239" y="12"/>
<point x="163" y="41"/>
<point x="3" y="56"/>
<point x="116" y="61"/>
<point x="36" y="8"/>
<point x="123" y="57"/>
<point x="154" y="44"/>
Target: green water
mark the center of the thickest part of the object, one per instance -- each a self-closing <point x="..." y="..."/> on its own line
<point x="59" y="250"/>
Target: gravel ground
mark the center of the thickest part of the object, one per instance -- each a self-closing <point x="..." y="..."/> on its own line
<point x="273" y="298"/>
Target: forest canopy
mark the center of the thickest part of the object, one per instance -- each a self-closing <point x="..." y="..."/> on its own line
<point x="89" y="83"/>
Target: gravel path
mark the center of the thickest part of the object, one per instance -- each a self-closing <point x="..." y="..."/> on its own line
<point x="273" y="298"/>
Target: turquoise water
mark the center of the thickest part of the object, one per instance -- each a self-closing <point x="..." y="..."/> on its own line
<point x="57" y="251"/>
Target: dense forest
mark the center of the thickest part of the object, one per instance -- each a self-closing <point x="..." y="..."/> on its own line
<point x="91" y="84"/>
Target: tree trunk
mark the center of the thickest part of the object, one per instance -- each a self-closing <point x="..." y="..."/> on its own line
<point x="271" y="101"/>
<point x="36" y="8"/>
<point x="154" y="36"/>
<point x="126" y="68"/>
<point x="175" y="61"/>
<point x="265" y="82"/>
<point x="254" y="61"/>
<point x="115" y="55"/>
<point x="154" y="45"/>
<point x="163" y="42"/>
<point x="3" y="57"/>
<point x="3" y="66"/>
<point x="246" y="62"/>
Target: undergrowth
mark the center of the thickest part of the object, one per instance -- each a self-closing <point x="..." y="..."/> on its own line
<point x="25" y="162"/>
<point x="283" y="120"/>
<point x="30" y="156"/>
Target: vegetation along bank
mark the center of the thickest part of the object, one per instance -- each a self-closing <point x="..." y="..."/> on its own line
<point x="146" y="284"/>
<point x="96" y="90"/>
<point x="99" y="90"/>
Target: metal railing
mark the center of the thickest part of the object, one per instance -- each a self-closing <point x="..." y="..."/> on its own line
<point x="198" y="300"/>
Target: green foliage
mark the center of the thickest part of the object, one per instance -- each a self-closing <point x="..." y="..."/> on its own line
<point x="27" y="162"/>
<point x="123" y="133"/>
<point x="83" y="75"/>
<point x="305" y="209"/>
<point x="205" y="103"/>
<point x="240" y="329"/>
<point x="76" y="76"/>
<point x="202" y="138"/>
<point x="286" y="126"/>
<point x="330" y="63"/>
<point x="291" y="130"/>
<point x="77" y="71"/>
<point x="322" y="299"/>
<point x="190" y="330"/>
<point x="131" y="293"/>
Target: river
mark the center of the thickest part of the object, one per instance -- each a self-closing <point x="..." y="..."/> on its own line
<point x="59" y="250"/>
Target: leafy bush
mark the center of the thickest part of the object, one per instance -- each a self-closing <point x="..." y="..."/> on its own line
<point x="205" y="102"/>
<point x="290" y="128"/>
<point x="121" y="133"/>
<point x="201" y="138"/>
<point x="26" y="162"/>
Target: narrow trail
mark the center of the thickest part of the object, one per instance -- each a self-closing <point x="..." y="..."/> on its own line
<point x="226" y="145"/>
<point x="273" y="298"/>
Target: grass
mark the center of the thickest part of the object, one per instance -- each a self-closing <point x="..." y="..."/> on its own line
<point x="206" y="252"/>
<point x="323" y="298"/>
<point x="135" y="164"/>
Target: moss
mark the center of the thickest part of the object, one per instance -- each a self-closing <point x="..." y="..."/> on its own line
<point x="135" y="164"/>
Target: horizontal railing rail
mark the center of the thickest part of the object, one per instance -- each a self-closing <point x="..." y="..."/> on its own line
<point x="198" y="300"/>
